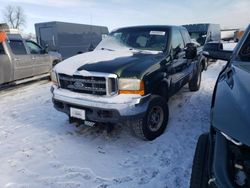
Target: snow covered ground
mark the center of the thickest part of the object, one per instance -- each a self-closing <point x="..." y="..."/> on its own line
<point x="39" y="148"/>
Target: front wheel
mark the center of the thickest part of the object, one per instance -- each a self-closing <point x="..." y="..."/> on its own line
<point x="199" y="177"/>
<point x="154" y="122"/>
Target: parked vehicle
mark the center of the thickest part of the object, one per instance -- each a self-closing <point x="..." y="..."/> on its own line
<point x="238" y="34"/>
<point x="204" y="33"/>
<point x="21" y="58"/>
<point x="222" y="157"/>
<point x="128" y="78"/>
<point x="228" y="34"/>
<point x="69" y="39"/>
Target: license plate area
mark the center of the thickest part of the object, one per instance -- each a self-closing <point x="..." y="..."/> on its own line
<point x="78" y="113"/>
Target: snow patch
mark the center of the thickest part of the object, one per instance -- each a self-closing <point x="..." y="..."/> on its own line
<point x="39" y="148"/>
<point x="70" y="65"/>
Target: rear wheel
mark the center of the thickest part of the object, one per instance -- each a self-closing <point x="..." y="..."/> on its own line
<point x="195" y="83"/>
<point x="199" y="177"/>
<point x="154" y="122"/>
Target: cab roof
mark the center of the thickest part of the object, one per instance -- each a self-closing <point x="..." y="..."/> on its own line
<point x="161" y="27"/>
<point x="14" y="36"/>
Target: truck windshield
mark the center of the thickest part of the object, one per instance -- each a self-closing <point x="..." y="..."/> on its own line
<point x="200" y="37"/>
<point x="135" y="38"/>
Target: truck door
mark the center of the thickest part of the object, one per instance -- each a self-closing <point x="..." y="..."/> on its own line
<point x="22" y="62"/>
<point x="179" y="62"/>
<point x="41" y="60"/>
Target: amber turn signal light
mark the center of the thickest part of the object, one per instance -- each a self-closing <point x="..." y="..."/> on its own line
<point x="141" y="91"/>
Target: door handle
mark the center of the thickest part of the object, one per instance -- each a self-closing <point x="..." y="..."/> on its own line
<point x="16" y="59"/>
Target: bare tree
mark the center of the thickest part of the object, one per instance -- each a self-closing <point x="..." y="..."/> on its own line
<point x="14" y="16"/>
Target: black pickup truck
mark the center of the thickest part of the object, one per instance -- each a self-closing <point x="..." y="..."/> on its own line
<point x="222" y="157"/>
<point x="128" y="78"/>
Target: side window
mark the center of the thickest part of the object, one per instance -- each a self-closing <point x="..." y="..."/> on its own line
<point x="177" y="40"/>
<point x="118" y="35"/>
<point x="1" y="49"/>
<point x="17" y="47"/>
<point x="34" y="48"/>
<point x="245" y="50"/>
<point x="186" y="36"/>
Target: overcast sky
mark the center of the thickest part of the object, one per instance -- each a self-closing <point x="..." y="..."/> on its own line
<point x="116" y="13"/>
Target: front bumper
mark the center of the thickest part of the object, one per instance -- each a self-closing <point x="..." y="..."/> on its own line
<point x="218" y="162"/>
<point x="105" y="109"/>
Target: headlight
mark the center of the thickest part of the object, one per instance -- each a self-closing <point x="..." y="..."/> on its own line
<point x="131" y="86"/>
<point x="53" y="77"/>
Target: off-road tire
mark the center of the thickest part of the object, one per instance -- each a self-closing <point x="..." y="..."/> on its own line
<point x="141" y="127"/>
<point x="199" y="176"/>
<point x="195" y="83"/>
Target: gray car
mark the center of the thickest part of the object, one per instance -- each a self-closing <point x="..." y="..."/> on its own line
<point x="21" y="59"/>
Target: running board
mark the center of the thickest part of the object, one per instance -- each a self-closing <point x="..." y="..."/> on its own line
<point x="31" y="79"/>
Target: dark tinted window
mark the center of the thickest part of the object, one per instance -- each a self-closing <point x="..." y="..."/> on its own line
<point x="177" y="40"/>
<point x="1" y="49"/>
<point x="245" y="51"/>
<point x="17" y="47"/>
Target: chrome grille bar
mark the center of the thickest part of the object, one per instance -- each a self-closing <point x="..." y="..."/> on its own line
<point x="103" y="84"/>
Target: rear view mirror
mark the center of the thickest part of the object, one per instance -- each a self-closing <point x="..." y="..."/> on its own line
<point x="214" y="50"/>
<point x="191" y="51"/>
<point x="3" y="37"/>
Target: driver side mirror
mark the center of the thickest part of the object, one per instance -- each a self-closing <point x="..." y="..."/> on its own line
<point x="214" y="50"/>
<point x="191" y="51"/>
<point x="46" y="49"/>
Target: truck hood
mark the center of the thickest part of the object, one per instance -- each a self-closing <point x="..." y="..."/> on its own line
<point x="230" y="113"/>
<point x="124" y="63"/>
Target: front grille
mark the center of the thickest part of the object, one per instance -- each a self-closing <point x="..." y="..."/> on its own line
<point x="89" y="84"/>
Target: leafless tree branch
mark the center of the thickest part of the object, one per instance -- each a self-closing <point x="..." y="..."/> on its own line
<point x="14" y="16"/>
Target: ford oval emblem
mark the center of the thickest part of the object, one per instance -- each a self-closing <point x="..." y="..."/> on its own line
<point x="78" y="84"/>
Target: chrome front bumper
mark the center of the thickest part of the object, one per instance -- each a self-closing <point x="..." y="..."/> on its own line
<point x="124" y="105"/>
